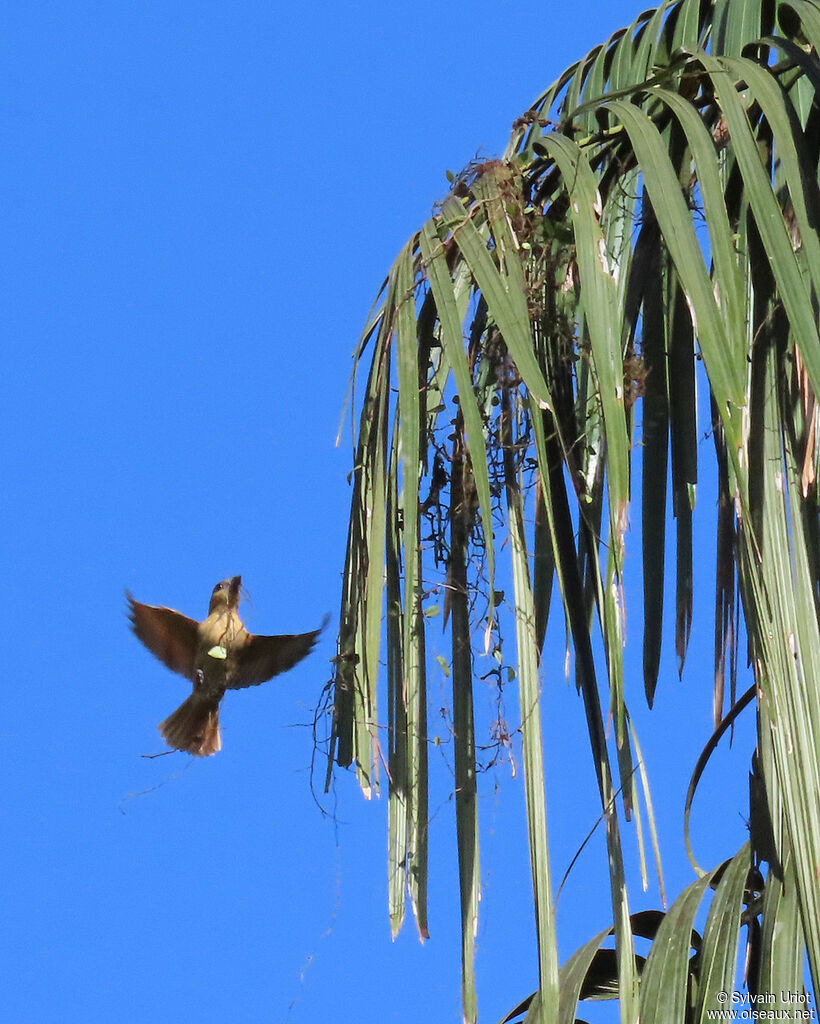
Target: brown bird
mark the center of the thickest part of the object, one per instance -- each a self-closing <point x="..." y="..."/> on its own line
<point x="217" y="654"/>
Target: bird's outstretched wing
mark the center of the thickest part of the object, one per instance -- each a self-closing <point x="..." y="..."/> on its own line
<point x="264" y="657"/>
<point x="171" y="636"/>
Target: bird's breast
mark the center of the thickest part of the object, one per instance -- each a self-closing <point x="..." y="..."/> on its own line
<point x="220" y="636"/>
<point x="222" y="629"/>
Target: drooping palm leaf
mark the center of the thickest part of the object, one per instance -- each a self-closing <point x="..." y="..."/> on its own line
<point x="656" y="207"/>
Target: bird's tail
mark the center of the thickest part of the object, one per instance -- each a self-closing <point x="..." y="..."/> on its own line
<point x="194" y="726"/>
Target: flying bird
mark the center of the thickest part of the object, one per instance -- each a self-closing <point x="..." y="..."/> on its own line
<point x="217" y="654"/>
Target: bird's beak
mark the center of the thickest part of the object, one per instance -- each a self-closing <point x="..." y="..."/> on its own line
<point x="236" y="583"/>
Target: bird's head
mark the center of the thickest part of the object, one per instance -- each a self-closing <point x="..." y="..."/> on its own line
<point x="226" y="592"/>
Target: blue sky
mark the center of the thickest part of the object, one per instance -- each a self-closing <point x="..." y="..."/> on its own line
<point x="201" y="201"/>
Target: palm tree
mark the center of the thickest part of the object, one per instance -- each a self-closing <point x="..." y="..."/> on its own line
<point x="656" y="208"/>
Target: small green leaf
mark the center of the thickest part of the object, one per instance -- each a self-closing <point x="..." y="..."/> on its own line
<point x="444" y="664"/>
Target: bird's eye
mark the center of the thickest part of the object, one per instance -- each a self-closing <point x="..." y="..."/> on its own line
<point x="219" y="586"/>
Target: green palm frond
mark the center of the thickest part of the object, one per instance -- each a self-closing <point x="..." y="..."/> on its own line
<point x="689" y="976"/>
<point x="657" y="207"/>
